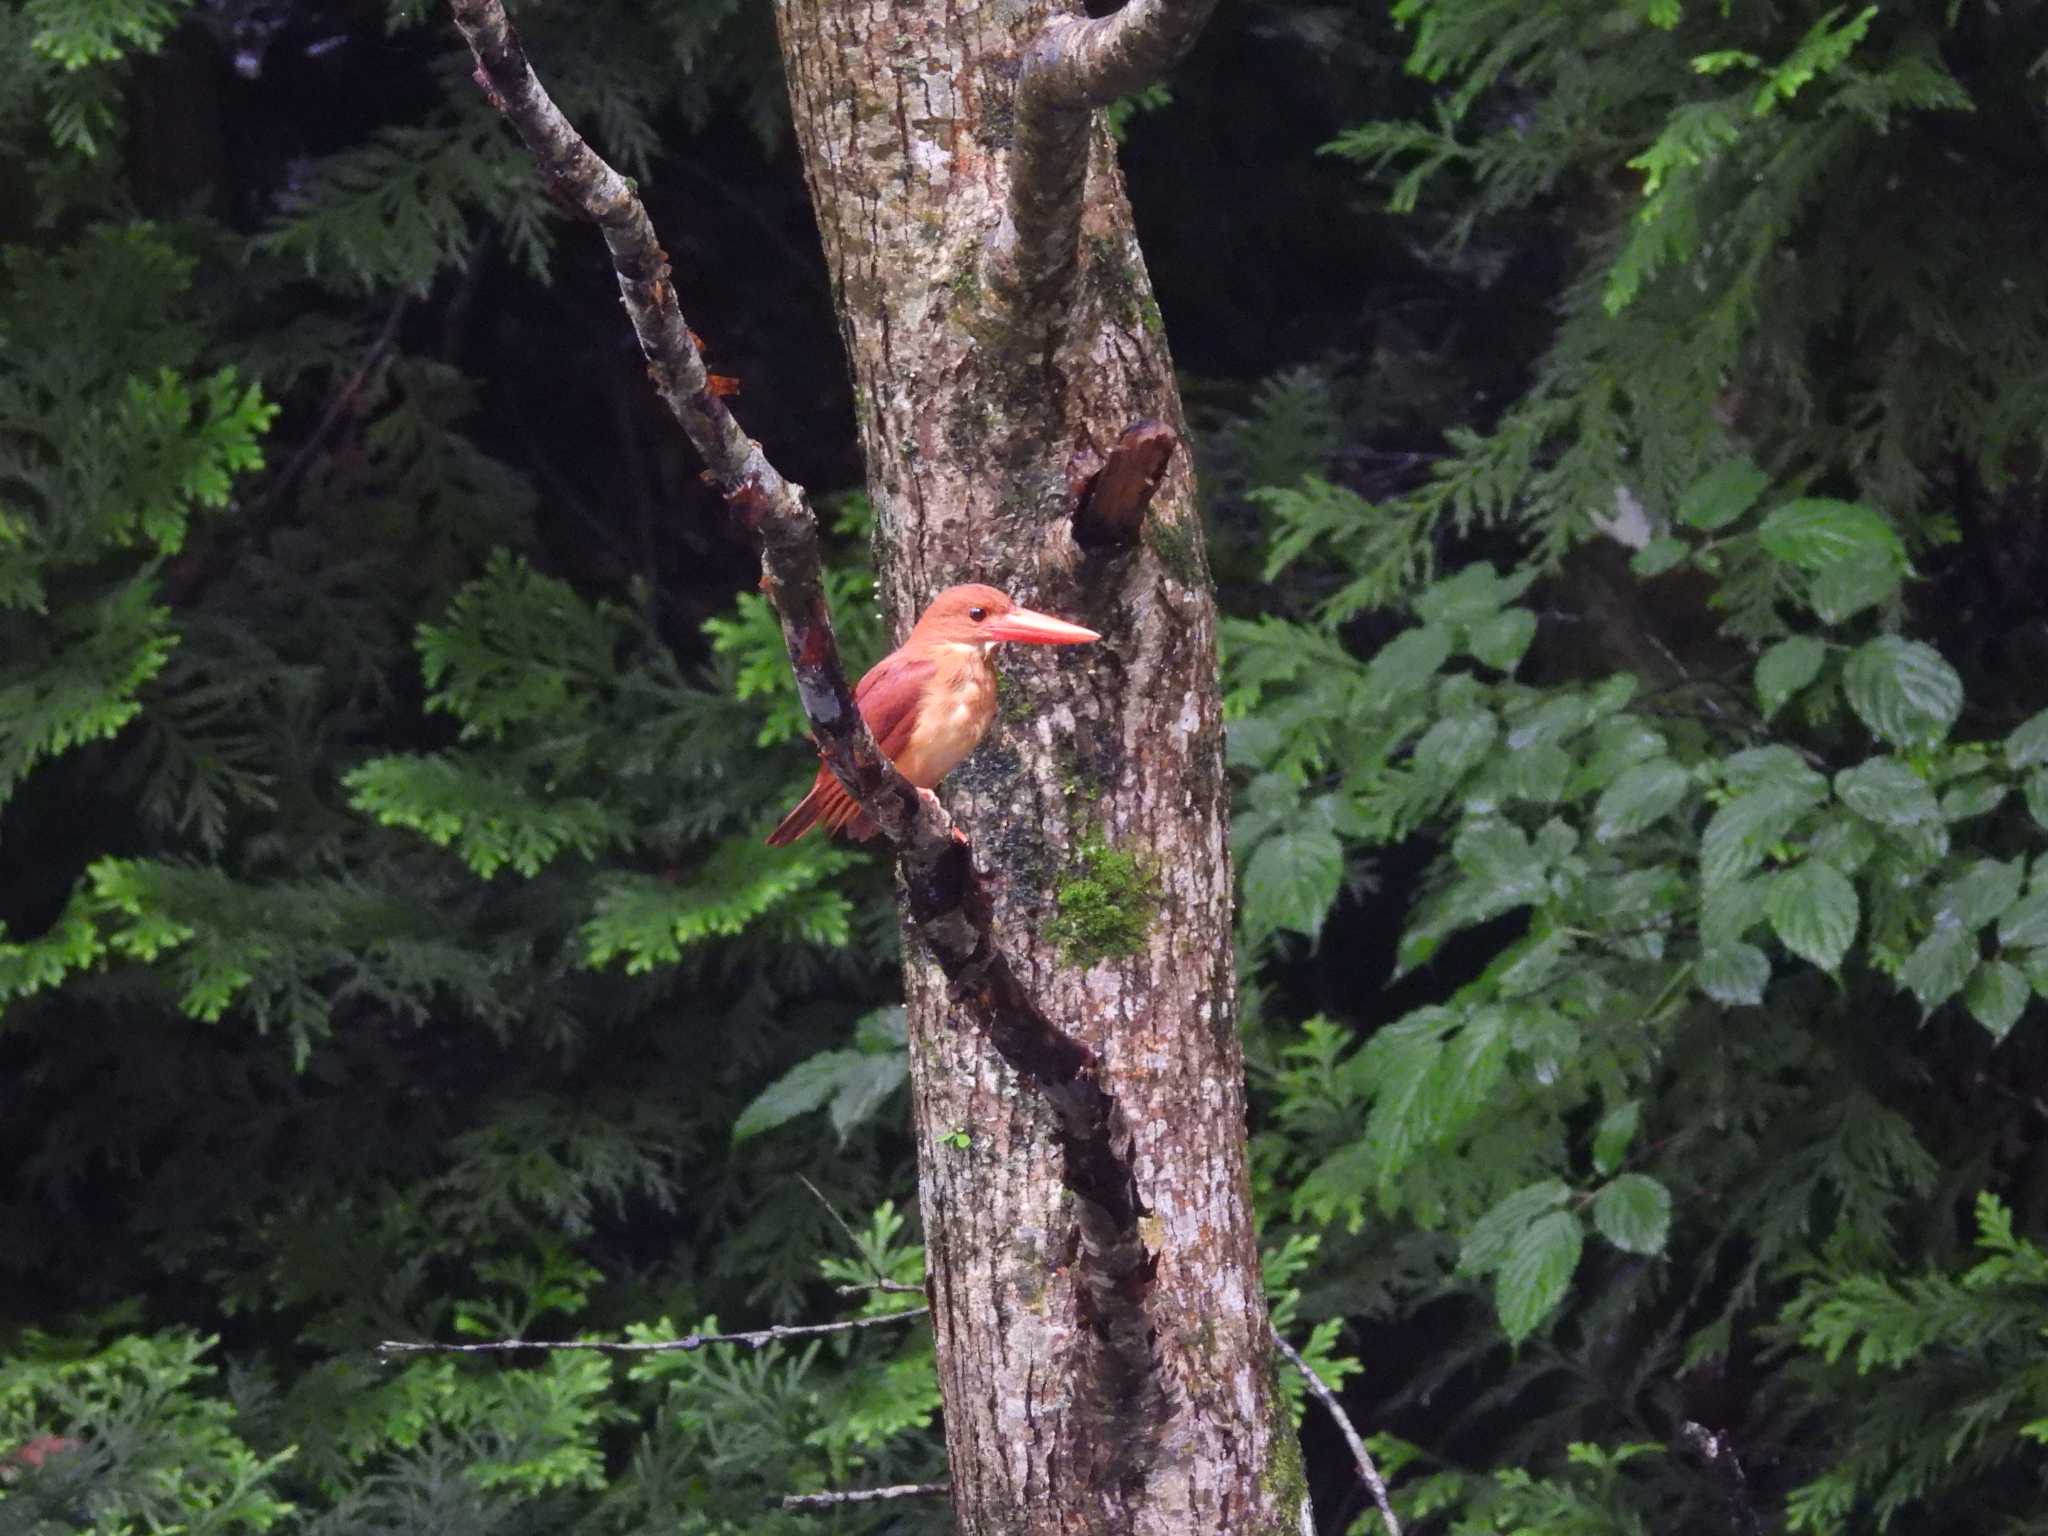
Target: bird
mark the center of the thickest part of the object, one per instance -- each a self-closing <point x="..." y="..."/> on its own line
<point x="929" y="701"/>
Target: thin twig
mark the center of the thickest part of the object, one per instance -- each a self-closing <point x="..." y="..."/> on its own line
<point x="1366" y="1467"/>
<point x="756" y="1338"/>
<point x="865" y="1495"/>
<point x="340" y="401"/>
<point x="881" y="1282"/>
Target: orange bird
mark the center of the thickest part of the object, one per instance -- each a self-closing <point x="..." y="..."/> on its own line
<point x="929" y="701"/>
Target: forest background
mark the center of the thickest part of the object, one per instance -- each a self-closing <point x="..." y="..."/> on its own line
<point x="1621" y="434"/>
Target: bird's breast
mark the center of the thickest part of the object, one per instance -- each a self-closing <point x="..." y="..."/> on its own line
<point x="959" y="703"/>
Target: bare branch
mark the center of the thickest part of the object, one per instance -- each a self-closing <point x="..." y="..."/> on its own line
<point x="773" y="509"/>
<point x="756" y="1338"/>
<point x="1366" y="1468"/>
<point x="865" y="1495"/>
<point x="948" y="903"/>
<point x="1074" y="66"/>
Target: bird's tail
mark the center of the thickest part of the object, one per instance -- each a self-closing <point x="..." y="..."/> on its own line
<point x="800" y="820"/>
<point x="829" y="803"/>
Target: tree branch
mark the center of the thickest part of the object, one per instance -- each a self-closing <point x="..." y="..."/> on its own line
<point x="1367" y="1469"/>
<point x="1074" y="66"/>
<point x="757" y="1338"/>
<point x="949" y="906"/>
<point x="865" y="1495"/>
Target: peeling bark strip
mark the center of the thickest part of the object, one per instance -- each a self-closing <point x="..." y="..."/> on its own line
<point x="1111" y="500"/>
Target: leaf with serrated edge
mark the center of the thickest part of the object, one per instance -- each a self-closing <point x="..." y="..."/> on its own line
<point x="1640" y="796"/>
<point x="1290" y="881"/>
<point x="2027" y="747"/>
<point x="1532" y="1279"/>
<point x="1815" y="534"/>
<point x="1492" y="1237"/>
<point x="1733" y="975"/>
<point x="1814" y="911"/>
<point x="1903" y="690"/>
<point x="1634" y="1213"/>
<point x="1997" y="996"/>
<point x="1722" y="495"/>
<point x="1938" y="966"/>
<point x="2025" y="926"/>
<point x="1617" y="1128"/>
<point x="1786" y="668"/>
<point x="1884" y="790"/>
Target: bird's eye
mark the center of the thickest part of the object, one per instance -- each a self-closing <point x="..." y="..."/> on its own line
<point x="977" y="614"/>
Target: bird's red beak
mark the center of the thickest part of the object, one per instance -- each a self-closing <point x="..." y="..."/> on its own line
<point x="1028" y="627"/>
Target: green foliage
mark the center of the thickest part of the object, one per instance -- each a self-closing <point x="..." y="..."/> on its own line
<point x="1952" y="1371"/>
<point x="1724" y="167"/>
<point x="855" y="1084"/>
<point x="1719" y="954"/>
<point x="166" y="1450"/>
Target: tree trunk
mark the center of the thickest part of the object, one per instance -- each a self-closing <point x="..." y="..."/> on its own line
<point x="1080" y="1394"/>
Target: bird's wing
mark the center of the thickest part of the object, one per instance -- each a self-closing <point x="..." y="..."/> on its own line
<point x="888" y="698"/>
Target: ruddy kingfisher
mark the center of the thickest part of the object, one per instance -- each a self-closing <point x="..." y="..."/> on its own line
<point x="929" y="701"/>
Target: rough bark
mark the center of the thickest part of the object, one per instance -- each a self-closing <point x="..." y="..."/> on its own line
<point x="1104" y="1369"/>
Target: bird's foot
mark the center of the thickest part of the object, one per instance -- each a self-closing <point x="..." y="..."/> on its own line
<point x="933" y="801"/>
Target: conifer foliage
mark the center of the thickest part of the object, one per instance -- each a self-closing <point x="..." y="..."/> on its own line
<point x="1704" y="1147"/>
<point x="387" y="950"/>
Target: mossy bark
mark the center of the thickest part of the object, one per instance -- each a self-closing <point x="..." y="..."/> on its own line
<point x="976" y="406"/>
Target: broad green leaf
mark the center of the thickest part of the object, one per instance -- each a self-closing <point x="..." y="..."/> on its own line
<point x="864" y="1087"/>
<point x="1844" y="589"/>
<point x="1500" y="641"/>
<point x="1641" y="795"/>
<point x="2027" y="747"/>
<point x="2034" y="965"/>
<point x="1529" y="965"/>
<point x="1939" y="965"/>
<point x="1659" y="556"/>
<point x="1815" y="534"/>
<point x="1786" y="668"/>
<point x="1634" y="1213"/>
<point x="1617" y="1128"/>
<point x="1886" y="791"/>
<point x="1903" y="690"/>
<point x="1722" y="495"/>
<point x="1454" y="745"/>
<point x="1772" y="767"/>
<point x="2025" y="926"/>
<point x="1730" y="910"/>
<point x="1844" y="841"/>
<point x="1744" y="829"/>
<point x="1538" y="774"/>
<point x="1814" y="912"/>
<point x="2036" y="790"/>
<point x="1533" y="1278"/>
<point x="1997" y="996"/>
<point x="1291" y="880"/>
<point x="1408" y="663"/>
<point x="1498" y="854"/>
<point x="1733" y="974"/>
<point x="1982" y="893"/>
<point x="1472" y="596"/>
<point x="803" y="1088"/>
<point x="1493" y="1236"/>
<point x="1974" y="797"/>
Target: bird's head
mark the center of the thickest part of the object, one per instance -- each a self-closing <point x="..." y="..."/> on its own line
<point x="979" y="615"/>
